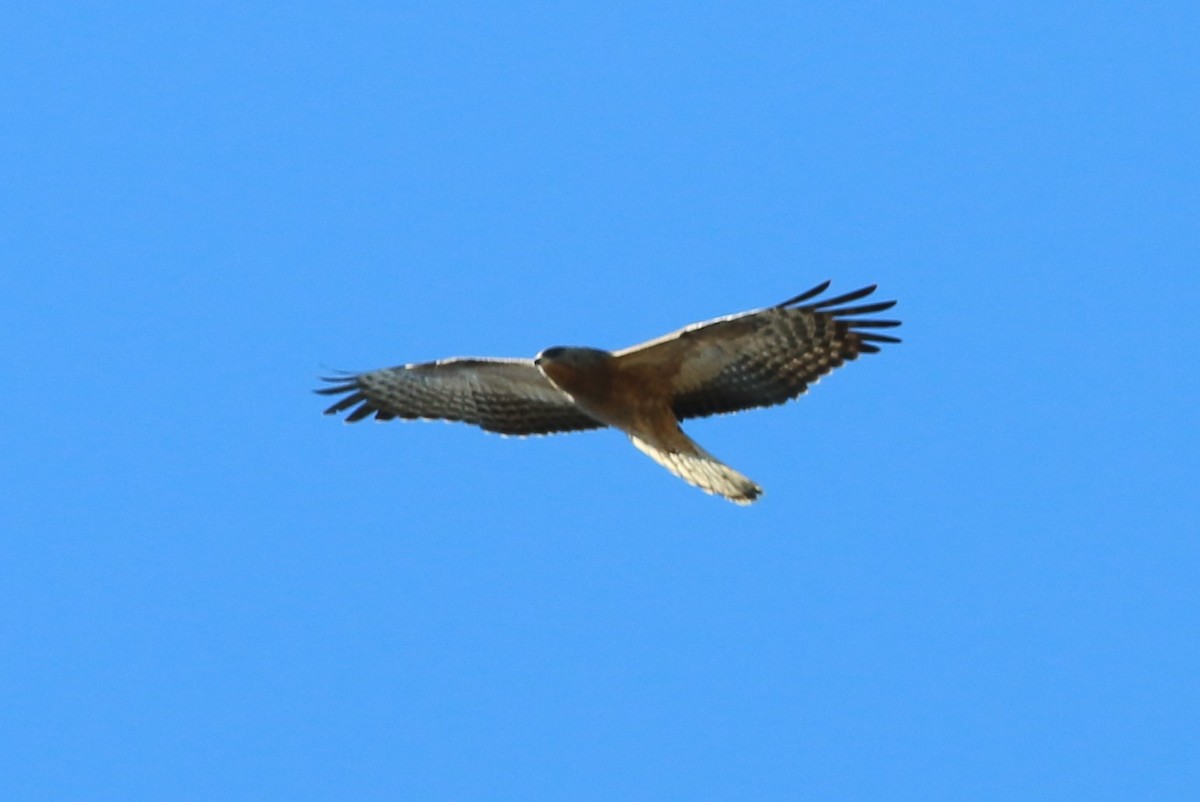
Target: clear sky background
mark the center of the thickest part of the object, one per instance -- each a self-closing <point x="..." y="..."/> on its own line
<point x="974" y="572"/>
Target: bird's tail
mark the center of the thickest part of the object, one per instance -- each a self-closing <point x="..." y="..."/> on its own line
<point x="686" y="459"/>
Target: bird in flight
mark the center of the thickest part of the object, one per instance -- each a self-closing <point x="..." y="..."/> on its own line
<point x="753" y="359"/>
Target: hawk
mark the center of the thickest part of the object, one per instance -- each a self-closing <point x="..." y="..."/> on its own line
<point x="753" y="359"/>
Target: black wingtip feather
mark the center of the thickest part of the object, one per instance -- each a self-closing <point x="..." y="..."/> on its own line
<point x="865" y="309"/>
<point x="345" y="403"/>
<point x="842" y="299"/>
<point x="343" y="383"/>
<point x="877" y="338"/>
<point x="804" y="296"/>
<point x="363" y="411"/>
<point x="874" y="324"/>
<point x="341" y="388"/>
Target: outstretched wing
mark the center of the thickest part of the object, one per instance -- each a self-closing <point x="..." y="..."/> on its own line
<point x="764" y="357"/>
<point x="509" y="396"/>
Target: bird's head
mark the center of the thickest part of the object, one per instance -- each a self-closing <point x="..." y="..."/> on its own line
<point x="573" y="357"/>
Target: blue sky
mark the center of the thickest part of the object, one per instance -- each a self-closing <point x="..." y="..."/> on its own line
<point x="973" y="575"/>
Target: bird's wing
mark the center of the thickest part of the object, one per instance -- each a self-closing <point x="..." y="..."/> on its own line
<point x="763" y="357"/>
<point x="509" y="396"/>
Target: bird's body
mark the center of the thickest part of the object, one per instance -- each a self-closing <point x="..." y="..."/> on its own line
<point x="754" y="359"/>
